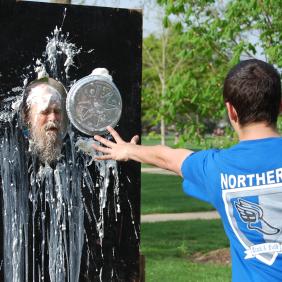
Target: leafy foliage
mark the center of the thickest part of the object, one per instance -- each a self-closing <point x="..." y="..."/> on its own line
<point x="209" y="37"/>
<point x="161" y="60"/>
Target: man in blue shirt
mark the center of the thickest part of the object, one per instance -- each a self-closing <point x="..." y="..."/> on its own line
<point x="244" y="182"/>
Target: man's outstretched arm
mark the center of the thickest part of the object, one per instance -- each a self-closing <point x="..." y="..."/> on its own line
<point x="160" y="156"/>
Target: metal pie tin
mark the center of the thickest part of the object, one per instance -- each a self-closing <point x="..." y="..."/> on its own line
<point x="93" y="103"/>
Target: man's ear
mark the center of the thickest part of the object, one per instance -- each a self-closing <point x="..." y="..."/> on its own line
<point x="26" y="118"/>
<point x="231" y="112"/>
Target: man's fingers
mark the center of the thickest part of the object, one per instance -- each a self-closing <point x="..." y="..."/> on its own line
<point x="103" y="158"/>
<point x="101" y="149"/>
<point x="115" y="134"/>
<point x="104" y="141"/>
<point x="134" y="139"/>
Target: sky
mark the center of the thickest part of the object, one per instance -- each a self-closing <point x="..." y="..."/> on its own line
<point x="151" y="22"/>
<point x="151" y="15"/>
<point x="151" y="19"/>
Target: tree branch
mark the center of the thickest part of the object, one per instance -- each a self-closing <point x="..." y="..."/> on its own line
<point x="153" y="62"/>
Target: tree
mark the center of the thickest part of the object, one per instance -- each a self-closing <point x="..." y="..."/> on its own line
<point x="212" y="37"/>
<point x="160" y="63"/>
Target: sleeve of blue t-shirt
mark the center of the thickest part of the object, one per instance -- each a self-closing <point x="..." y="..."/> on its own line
<point x="195" y="171"/>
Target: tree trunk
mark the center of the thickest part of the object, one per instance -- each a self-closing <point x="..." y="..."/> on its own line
<point x="163" y="82"/>
<point x="162" y="117"/>
<point x="162" y="131"/>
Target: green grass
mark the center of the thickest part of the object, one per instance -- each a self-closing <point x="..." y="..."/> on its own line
<point x="209" y="141"/>
<point x="164" y="194"/>
<point x="179" y="270"/>
<point x="168" y="248"/>
<point x="156" y="140"/>
<point x="169" y="141"/>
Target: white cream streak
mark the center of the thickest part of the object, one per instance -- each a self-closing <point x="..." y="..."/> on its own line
<point x="44" y="96"/>
<point x="103" y="72"/>
<point x="40" y="70"/>
<point x="62" y="194"/>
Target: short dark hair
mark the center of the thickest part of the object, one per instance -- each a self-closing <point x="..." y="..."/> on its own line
<point x="253" y="88"/>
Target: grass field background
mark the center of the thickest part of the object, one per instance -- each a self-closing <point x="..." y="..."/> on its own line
<point x="210" y="141"/>
<point x="169" y="247"/>
<point x="164" y="194"/>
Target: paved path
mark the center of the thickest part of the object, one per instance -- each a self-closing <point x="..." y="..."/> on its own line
<point x="179" y="216"/>
<point x="156" y="170"/>
<point x="174" y="216"/>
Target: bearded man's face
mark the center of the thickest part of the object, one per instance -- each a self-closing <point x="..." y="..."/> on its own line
<point x="45" y="122"/>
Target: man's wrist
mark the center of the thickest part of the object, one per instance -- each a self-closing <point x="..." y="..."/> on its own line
<point x="131" y="152"/>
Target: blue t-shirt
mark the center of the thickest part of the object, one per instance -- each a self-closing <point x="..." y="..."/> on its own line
<point x="244" y="183"/>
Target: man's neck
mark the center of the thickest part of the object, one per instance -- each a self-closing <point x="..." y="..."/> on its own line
<point x="258" y="130"/>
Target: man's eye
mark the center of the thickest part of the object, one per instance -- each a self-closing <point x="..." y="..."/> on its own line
<point x="44" y="112"/>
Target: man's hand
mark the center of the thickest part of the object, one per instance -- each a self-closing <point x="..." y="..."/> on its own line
<point x="160" y="156"/>
<point x="118" y="151"/>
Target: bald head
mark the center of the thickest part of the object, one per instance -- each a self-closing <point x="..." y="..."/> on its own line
<point x="44" y="115"/>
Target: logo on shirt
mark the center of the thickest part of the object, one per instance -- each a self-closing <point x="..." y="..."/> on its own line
<point x="254" y="214"/>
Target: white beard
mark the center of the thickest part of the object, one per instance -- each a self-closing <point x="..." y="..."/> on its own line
<point x="46" y="144"/>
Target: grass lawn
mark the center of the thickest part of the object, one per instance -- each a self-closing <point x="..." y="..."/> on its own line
<point x="163" y="194"/>
<point x="156" y="140"/>
<point x="168" y="248"/>
<point x="208" y="142"/>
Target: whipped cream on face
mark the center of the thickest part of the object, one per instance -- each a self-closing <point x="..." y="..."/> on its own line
<point x="43" y="96"/>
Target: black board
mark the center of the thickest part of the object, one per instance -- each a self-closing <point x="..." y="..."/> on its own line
<point x="115" y="35"/>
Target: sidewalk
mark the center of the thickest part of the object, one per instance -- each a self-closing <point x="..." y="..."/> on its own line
<point x="179" y="216"/>
<point x="174" y="216"/>
<point x="156" y="170"/>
